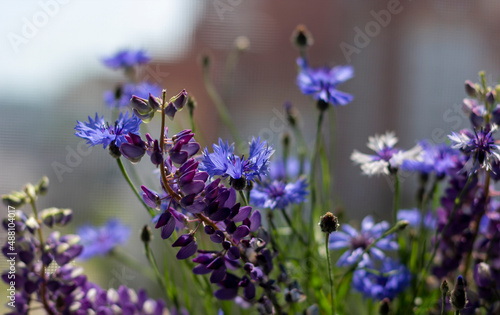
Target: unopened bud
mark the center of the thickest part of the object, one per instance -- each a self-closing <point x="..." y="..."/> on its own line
<point x="238" y="183"/>
<point x="301" y="37"/>
<point x="470" y="89"/>
<point x="191" y="104"/>
<point x="385" y="307"/>
<point x="291" y="114"/>
<point x="285" y="139"/>
<point x="42" y="186"/>
<point x="30" y="191"/>
<point x="180" y="99"/>
<point x="444" y="287"/>
<point x="329" y="223"/>
<point x="490" y="97"/>
<point x="15" y="199"/>
<point x="458" y="297"/>
<point x="401" y="225"/>
<point x="146" y="234"/>
<point x="114" y="150"/>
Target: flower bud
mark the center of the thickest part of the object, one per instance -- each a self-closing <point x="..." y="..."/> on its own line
<point x="301" y="37"/>
<point x="191" y="104"/>
<point x="329" y="223"/>
<point x="238" y="183"/>
<point x="291" y="114"/>
<point x="384" y="307"/>
<point x="114" y="150"/>
<point x="42" y="186"/>
<point x="458" y="297"/>
<point x="490" y="97"/>
<point x="30" y="191"/>
<point x="15" y="199"/>
<point x="444" y="287"/>
<point x="146" y="234"/>
<point x="180" y="99"/>
<point x="470" y="89"/>
<point x="401" y="225"/>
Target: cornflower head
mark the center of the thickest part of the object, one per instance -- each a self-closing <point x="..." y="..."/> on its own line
<point x="125" y="59"/>
<point x="387" y="158"/>
<point x="479" y="146"/>
<point x="435" y="159"/>
<point x="387" y="281"/>
<point x="356" y="242"/>
<point x="322" y="83"/>
<point x="98" y="131"/>
<point x="278" y="194"/>
<point x="122" y="95"/>
<point x="100" y="240"/>
<point x="241" y="171"/>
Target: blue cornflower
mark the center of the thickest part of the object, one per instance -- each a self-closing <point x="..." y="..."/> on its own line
<point x="322" y="83"/>
<point x="121" y="97"/>
<point x="97" y="131"/>
<point x="481" y="147"/>
<point x="436" y="159"/>
<point x="414" y="218"/>
<point x="386" y="158"/>
<point x="356" y="242"/>
<point x="127" y="59"/>
<point x="223" y="162"/>
<point x="387" y="282"/>
<point x="278" y="194"/>
<point x="98" y="241"/>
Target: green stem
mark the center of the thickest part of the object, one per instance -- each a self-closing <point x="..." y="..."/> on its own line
<point x="330" y="274"/>
<point x="294" y="230"/>
<point x="313" y="170"/>
<point x="130" y="262"/>
<point x="243" y="197"/>
<point x="219" y="103"/>
<point x="152" y="263"/>
<point x="129" y="181"/>
<point x="395" y="208"/>
<point x="443" y="304"/>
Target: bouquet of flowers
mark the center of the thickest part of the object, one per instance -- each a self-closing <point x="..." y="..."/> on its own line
<point x="255" y="231"/>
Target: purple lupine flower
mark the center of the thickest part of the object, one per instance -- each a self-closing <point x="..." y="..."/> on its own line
<point x="97" y="131"/>
<point x="278" y="194"/>
<point x="356" y="242"/>
<point x="481" y="147"/>
<point x="438" y="159"/>
<point x="98" y="241"/>
<point x="121" y="97"/>
<point x="127" y="59"/>
<point x="414" y="218"/>
<point x="223" y="162"/>
<point x="322" y="83"/>
<point x="387" y="158"/>
<point x="475" y="111"/>
<point x="388" y="281"/>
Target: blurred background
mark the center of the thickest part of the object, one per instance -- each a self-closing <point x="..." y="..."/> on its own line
<point x="410" y="66"/>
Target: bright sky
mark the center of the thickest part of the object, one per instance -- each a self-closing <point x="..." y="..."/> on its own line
<point x="45" y="50"/>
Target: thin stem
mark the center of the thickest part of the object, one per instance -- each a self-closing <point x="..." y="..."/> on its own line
<point x="395" y="205"/>
<point x="443" y="304"/>
<point x="330" y="274"/>
<point x="152" y="263"/>
<point x="312" y="176"/>
<point x="129" y="181"/>
<point x="243" y="197"/>
<point x="219" y="103"/>
<point x="43" y="289"/>
<point x="457" y="312"/>
<point x="133" y="264"/>
<point x="294" y="230"/>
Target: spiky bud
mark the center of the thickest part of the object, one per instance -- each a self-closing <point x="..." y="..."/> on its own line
<point x="329" y="223"/>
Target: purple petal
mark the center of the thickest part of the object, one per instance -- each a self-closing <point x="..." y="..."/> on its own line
<point x="187" y="251"/>
<point x="241" y="232"/>
<point x="255" y="221"/>
<point x="218" y="275"/>
<point x="243" y="213"/>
